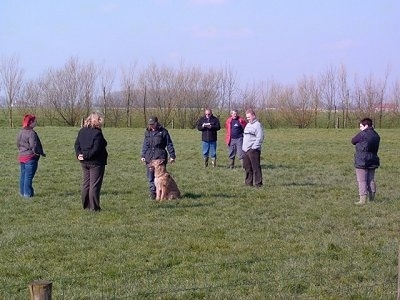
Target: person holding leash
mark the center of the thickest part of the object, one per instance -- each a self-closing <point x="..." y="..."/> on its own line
<point x="157" y="144"/>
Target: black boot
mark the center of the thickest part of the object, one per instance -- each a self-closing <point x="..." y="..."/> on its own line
<point x="205" y="162"/>
<point x="231" y="164"/>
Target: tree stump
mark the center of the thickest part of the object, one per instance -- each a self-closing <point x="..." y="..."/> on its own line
<point x="40" y="290"/>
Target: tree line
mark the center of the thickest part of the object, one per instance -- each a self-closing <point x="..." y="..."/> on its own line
<point x="127" y="96"/>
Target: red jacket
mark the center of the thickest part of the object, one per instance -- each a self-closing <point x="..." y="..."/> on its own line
<point x="242" y="121"/>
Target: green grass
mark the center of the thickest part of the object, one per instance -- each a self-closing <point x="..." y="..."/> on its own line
<point x="300" y="236"/>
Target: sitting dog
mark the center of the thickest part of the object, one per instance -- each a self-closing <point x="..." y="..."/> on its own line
<point x="166" y="188"/>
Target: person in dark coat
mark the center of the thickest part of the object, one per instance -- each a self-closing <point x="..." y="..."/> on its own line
<point x="90" y="150"/>
<point x="29" y="151"/>
<point x="157" y="144"/>
<point x="366" y="159"/>
<point x="209" y="125"/>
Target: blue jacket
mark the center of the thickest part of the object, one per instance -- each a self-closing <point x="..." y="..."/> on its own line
<point x="367" y="146"/>
<point x="156" y="144"/>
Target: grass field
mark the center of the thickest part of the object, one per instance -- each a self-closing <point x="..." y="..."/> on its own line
<point x="299" y="237"/>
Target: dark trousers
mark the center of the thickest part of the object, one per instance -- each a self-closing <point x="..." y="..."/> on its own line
<point x="150" y="178"/>
<point x="91" y="186"/>
<point x="252" y="167"/>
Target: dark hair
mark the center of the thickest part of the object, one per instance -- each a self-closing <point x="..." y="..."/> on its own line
<point x="366" y="121"/>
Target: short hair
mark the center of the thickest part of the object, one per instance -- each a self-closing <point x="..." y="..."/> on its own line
<point x="28" y="120"/>
<point x="366" y="121"/>
<point x="94" y="120"/>
<point x="250" y="111"/>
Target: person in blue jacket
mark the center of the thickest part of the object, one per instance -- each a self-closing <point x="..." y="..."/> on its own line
<point x="366" y="159"/>
<point x="157" y="144"/>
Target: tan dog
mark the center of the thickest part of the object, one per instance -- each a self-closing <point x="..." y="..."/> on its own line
<point x="166" y="188"/>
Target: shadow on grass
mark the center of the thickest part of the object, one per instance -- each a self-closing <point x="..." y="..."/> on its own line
<point x="293" y="183"/>
<point x="273" y="167"/>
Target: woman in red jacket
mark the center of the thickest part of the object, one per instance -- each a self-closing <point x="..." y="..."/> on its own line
<point x="234" y="127"/>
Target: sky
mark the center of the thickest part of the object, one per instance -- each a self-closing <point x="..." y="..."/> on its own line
<point x="259" y="40"/>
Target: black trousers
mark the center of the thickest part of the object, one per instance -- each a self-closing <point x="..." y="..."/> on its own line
<point x="252" y="167"/>
<point x="91" y="186"/>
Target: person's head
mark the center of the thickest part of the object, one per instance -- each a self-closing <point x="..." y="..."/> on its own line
<point x="29" y="121"/>
<point x="250" y="115"/>
<point x="94" y="120"/>
<point x="152" y="123"/>
<point x="365" y="123"/>
<point x="208" y="112"/>
<point x="234" y="114"/>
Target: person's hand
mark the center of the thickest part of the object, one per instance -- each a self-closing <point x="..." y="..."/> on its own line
<point x="80" y="156"/>
<point x="172" y="160"/>
<point x="143" y="159"/>
<point x="44" y="154"/>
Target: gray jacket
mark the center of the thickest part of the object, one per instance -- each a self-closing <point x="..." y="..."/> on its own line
<point x="253" y="136"/>
<point x="28" y="143"/>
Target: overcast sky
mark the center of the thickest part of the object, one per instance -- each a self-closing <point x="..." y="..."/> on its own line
<point x="258" y="39"/>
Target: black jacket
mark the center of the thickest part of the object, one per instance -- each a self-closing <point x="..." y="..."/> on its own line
<point x="367" y="146"/>
<point x="156" y="144"/>
<point x="208" y="134"/>
<point x="91" y="143"/>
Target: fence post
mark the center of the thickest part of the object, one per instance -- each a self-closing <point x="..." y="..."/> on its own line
<point x="40" y="290"/>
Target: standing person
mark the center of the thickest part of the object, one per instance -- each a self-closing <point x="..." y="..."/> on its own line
<point x="157" y="144"/>
<point x="209" y="125"/>
<point x="252" y="140"/>
<point x="366" y="159"/>
<point x="90" y="149"/>
<point x="29" y="151"/>
<point x="234" y="127"/>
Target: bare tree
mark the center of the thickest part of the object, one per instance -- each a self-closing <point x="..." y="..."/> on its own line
<point x="299" y="104"/>
<point x="328" y="91"/>
<point x="395" y="95"/>
<point x="344" y="95"/>
<point x="69" y="91"/>
<point x="227" y="86"/>
<point x="106" y="81"/>
<point x="382" y="92"/>
<point x="11" y="78"/>
<point x="128" y="90"/>
<point x="251" y="97"/>
<point x="271" y="93"/>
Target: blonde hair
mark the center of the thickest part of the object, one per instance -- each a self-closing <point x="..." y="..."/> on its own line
<point x="94" y="120"/>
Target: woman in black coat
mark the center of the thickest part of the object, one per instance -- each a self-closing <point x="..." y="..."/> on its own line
<point x="90" y="149"/>
<point x="366" y="159"/>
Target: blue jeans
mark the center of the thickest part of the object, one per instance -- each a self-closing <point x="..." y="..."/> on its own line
<point x="28" y="171"/>
<point x="209" y="149"/>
